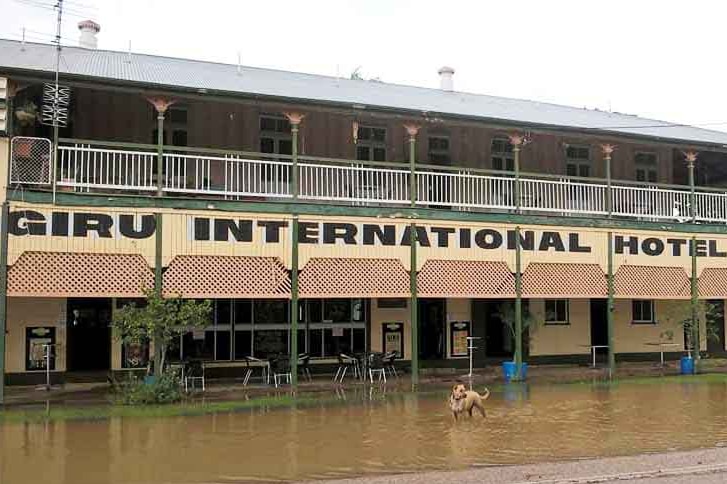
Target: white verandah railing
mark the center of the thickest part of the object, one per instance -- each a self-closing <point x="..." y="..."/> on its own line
<point x="237" y="175"/>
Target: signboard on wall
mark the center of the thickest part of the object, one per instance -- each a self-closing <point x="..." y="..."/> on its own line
<point x="393" y="338"/>
<point x="459" y="332"/>
<point x="39" y="340"/>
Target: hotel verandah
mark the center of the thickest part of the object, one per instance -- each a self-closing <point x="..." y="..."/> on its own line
<point x="226" y="182"/>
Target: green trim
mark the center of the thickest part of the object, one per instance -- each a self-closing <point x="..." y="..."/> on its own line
<point x="294" y="311"/>
<point x="3" y="291"/>
<point x="304" y="209"/>
<point x="158" y="252"/>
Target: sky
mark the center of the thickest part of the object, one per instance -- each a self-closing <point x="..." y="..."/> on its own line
<point x="657" y="59"/>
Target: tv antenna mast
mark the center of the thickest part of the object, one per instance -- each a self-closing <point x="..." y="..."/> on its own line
<point x="56" y="98"/>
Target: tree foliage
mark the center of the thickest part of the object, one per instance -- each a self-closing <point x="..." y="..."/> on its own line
<point x="160" y="320"/>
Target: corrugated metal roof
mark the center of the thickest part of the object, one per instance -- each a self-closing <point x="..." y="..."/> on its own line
<point x="192" y="74"/>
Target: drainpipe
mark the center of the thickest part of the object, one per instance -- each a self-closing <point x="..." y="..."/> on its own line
<point x="691" y="157"/>
<point x="3" y="291"/>
<point x="412" y="131"/>
<point x="516" y="140"/>
<point x="607" y="152"/>
<point x="294" y="119"/>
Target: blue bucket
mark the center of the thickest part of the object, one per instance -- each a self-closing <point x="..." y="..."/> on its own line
<point x="687" y="365"/>
<point x="509" y="370"/>
<point x="150" y="380"/>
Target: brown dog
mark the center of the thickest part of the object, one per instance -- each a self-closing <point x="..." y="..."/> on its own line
<point x="463" y="400"/>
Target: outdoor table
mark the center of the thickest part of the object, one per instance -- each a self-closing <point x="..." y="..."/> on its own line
<point x="661" y="348"/>
<point x="593" y="352"/>
<point x="251" y="361"/>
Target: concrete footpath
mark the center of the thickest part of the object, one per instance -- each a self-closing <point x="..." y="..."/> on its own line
<point x="706" y="466"/>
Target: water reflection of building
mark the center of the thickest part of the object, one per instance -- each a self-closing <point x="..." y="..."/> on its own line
<point x="332" y="157"/>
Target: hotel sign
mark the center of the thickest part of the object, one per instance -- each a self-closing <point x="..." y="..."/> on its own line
<point x="87" y="224"/>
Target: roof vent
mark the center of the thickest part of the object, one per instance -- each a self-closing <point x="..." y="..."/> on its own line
<point x="89" y="29"/>
<point x="446" y="82"/>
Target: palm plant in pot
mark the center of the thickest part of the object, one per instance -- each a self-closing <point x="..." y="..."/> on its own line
<point x="709" y="317"/>
<point x="506" y="314"/>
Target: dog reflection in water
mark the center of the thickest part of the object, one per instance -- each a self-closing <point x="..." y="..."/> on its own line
<point x="462" y="400"/>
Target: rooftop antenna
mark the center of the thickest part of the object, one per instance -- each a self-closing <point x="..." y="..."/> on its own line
<point x="57" y="113"/>
<point x="239" y="63"/>
<point x="22" y="46"/>
<point x="129" y="54"/>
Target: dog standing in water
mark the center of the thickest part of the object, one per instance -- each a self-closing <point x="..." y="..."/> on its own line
<point x="462" y="400"/>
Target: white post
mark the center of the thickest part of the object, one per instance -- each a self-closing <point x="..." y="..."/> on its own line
<point x="471" y="348"/>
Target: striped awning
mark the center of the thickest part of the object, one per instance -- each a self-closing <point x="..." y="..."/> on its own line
<point x="712" y="283"/>
<point x="646" y="282"/>
<point x="560" y="280"/>
<point x="217" y="276"/>
<point x="465" y="279"/>
<point x="62" y="274"/>
<point x="338" y="277"/>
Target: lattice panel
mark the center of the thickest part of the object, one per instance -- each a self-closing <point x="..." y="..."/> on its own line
<point x="558" y="280"/>
<point x="30" y="161"/>
<point x="713" y="283"/>
<point x="465" y="278"/>
<point x="645" y="282"/>
<point x="49" y="274"/>
<point x="334" y="277"/>
<point x="217" y="276"/>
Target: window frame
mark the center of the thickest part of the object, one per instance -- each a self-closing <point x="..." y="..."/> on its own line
<point x="446" y="154"/>
<point x="652" y="309"/>
<point x="371" y="143"/>
<point x="507" y="156"/>
<point x="578" y="163"/>
<point x="647" y="168"/>
<point x="557" y="321"/>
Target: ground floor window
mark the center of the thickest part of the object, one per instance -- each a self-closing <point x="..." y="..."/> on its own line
<point x="261" y="328"/>
<point x="643" y="311"/>
<point x="556" y="311"/>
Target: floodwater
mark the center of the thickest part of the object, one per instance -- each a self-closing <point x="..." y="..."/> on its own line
<point x="371" y="433"/>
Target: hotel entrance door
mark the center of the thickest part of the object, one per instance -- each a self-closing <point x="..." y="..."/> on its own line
<point x="88" y="336"/>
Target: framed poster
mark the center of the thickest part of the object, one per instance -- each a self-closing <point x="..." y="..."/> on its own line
<point x="393" y="338"/>
<point x="135" y="355"/>
<point x="36" y="340"/>
<point x="459" y="332"/>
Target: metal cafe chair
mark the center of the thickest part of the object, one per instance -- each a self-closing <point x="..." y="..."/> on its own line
<point x="376" y="367"/>
<point x="193" y="371"/>
<point x="304" y="365"/>
<point x="389" y="359"/>
<point x="280" y="368"/>
<point x="344" y="363"/>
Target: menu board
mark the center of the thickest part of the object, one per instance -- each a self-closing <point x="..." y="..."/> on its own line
<point x="393" y="338"/>
<point x="36" y="344"/>
<point x="135" y="355"/>
<point x="460" y="331"/>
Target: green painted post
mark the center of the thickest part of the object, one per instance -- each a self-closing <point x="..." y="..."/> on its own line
<point x="517" y="141"/>
<point x="3" y="291"/>
<point x="158" y="282"/>
<point x="610" y="305"/>
<point x="294" y="311"/>
<point x="413" y="301"/>
<point x="160" y="152"/>
<point x="294" y="119"/>
<point x="691" y="158"/>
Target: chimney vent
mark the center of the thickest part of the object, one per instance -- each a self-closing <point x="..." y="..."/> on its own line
<point x="445" y="78"/>
<point x="89" y="29"/>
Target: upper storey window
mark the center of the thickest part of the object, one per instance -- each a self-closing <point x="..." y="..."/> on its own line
<point x="646" y="167"/>
<point x="438" y="150"/>
<point x="275" y="135"/>
<point x="578" y="160"/>
<point x="501" y="153"/>
<point x="371" y="144"/>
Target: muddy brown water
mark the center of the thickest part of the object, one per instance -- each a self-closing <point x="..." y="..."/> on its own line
<point x="371" y="434"/>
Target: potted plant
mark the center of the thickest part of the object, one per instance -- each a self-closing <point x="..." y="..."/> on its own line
<point x="708" y="316"/>
<point x="27" y="113"/>
<point x="507" y="316"/>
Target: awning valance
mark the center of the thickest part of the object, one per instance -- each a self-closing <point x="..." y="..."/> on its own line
<point x="713" y="283"/>
<point x="216" y="276"/>
<point x="466" y="279"/>
<point x="647" y="282"/>
<point x="62" y="274"/>
<point x="338" y="277"/>
<point x="560" y="280"/>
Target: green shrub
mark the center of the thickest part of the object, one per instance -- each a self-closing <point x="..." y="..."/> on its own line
<point x="136" y="391"/>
